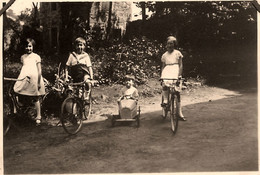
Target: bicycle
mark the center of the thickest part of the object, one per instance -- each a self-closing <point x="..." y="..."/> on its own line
<point x="55" y="93"/>
<point x="74" y="107"/>
<point x="174" y="87"/>
<point x="19" y="105"/>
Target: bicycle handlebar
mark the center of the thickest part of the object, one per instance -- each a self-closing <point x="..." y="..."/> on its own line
<point x="15" y="79"/>
<point x="83" y="82"/>
<point x="161" y="79"/>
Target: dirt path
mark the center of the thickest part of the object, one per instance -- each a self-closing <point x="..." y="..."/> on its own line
<point x="220" y="135"/>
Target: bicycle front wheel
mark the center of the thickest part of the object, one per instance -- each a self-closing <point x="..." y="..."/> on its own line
<point x="87" y="107"/>
<point x="173" y="114"/>
<point x="164" y="110"/>
<point x="71" y="115"/>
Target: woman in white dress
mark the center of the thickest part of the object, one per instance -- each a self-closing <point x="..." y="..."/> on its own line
<point x="171" y="69"/>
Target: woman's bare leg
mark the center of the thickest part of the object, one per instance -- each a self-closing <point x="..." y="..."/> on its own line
<point x="38" y="110"/>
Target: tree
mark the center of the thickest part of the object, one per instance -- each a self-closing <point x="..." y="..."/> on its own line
<point x="109" y="20"/>
<point x="74" y="24"/>
<point x="143" y="11"/>
<point x="35" y="16"/>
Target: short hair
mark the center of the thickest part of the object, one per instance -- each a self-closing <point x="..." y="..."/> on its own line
<point x="80" y="40"/>
<point x="30" y="40"/>
<point x="172" y="38"/>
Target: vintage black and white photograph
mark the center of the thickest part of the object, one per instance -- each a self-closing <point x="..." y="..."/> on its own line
<point x="129" y="87"/>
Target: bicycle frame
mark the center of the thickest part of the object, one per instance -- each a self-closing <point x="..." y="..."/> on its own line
<point x="173" y="89"/>
<point x="74" y="107"/>
<point x="81" y="86"/>
<point x="173" y="100"/>
<point x="25" y="105"/>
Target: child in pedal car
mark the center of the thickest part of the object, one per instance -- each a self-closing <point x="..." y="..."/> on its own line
<point x="130" y="92"/>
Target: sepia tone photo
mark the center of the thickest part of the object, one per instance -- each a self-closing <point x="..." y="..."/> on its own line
<point x="129" y="87"/>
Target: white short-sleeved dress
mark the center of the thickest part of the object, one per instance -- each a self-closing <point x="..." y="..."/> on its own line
<point x="133" y="92"/>
<point x="171" y="60"/>
<point x="30" y="69"/>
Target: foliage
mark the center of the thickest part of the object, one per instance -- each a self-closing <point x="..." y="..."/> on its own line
<point x="139" y="57"/>
<point x="216" y="36"/>
<point x="16" y="30"/>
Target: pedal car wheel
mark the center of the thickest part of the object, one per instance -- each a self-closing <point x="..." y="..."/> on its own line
<point x="113" y="120"/>
<point x="138" y="117"/>
<point x="138" y="120"/>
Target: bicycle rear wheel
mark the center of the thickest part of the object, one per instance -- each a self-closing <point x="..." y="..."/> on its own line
<point x="173" y="114"/>
<point x="71" y="115"/>
<point x="6" y="124"/>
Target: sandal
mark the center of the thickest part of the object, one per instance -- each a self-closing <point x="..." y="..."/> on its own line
<point x="164" y="105"/>
<point x="38" y="120"/>
<point x="182" y="118"/>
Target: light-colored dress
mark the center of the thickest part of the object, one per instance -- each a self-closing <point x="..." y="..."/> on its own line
<point x="171" y="60"/>
<point x="131" y="92"/>
<point x="29" y="69"/>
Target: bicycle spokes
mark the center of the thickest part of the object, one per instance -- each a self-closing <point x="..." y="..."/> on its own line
<point x="173" y="114"/>
<point x="71" y="115"/>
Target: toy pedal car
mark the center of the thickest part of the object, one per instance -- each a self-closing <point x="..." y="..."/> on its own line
<point x="127" y="112"/>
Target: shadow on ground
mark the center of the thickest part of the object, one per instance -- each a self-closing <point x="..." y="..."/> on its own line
<point x="219" y="136"/>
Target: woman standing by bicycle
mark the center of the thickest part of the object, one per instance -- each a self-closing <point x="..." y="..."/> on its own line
<point x="32" y="69"/>
<point x="171" y="69"/>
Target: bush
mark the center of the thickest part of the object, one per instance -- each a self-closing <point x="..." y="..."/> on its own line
<point x="139" y="57"/>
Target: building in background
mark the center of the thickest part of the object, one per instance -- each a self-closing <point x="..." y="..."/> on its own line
<point x="63" y="21"/>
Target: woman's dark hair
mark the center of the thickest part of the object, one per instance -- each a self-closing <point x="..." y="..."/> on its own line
<point x="26" y="41"/>
<point x="30" y="40"/>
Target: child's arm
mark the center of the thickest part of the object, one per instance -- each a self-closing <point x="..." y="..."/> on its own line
<point x="90" y="72"/>
<point x="89" y="65"/>
<point x="162" y="63"/>
<point x="180" y="67"/>
<point x="39" y="74"/>
<point x="66" y="73"/>
<point x="121" y="97"/>
<point x="67" y="67"/>
<point x="136" y="95"/>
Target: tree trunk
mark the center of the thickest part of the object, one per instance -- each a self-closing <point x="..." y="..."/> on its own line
<point x="35" y="16"/>
<point x="109" y="21"/>
<point x="143" y="11"/>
